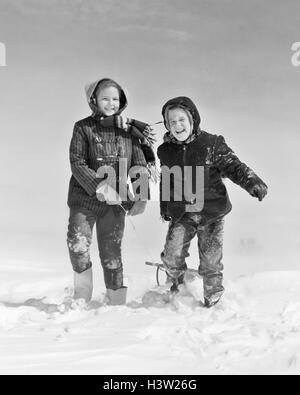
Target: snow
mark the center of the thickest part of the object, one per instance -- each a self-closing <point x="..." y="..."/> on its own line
<point x="255" y="328"/>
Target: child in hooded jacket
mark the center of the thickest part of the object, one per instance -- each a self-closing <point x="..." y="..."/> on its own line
<point x="186" y="146"/>
<point x="99" y="142"/>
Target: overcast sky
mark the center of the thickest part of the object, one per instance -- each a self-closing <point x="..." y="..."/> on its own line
<point x="232" y="57"/>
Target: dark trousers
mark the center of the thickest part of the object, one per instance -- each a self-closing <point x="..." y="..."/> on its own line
<point x="110" y="229"/>
<point x="210" y="247"/>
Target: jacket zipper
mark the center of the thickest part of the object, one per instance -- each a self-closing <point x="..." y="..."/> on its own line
<point x="184" y="155"/>
<point x="184" y="162"/>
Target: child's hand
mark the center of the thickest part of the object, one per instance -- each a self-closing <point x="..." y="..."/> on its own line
<point x="137" y="208"/>
<point x="105" y="193"/>
<point x="259" y="190"/>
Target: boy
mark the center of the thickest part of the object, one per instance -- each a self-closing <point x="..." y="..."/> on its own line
<point x="100" y="142"/>
<point x="186" y="146"/>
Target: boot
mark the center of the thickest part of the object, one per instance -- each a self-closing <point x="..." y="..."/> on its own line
<point x="209" y="303"/>
<point x="83" y="285"/>
<point x="175" y="283"/>
<point x="116" y="296"/>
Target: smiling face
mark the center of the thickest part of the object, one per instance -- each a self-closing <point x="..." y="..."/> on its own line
<point x="108" y="100"/>
<point x="179" y="124"/>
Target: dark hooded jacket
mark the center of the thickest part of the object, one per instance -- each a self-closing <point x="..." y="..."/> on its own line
<point x="93" y="145"/>
<point x="209" y="151"/>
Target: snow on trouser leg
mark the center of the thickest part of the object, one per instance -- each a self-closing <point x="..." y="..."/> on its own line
<point x="178" y="240"/>
<point x="210" y="245"/>
<point x="113" y="277"/>
<point x="80" y="261"/>
<point x="81" y="222"/>
<point x="110" y="235"/>
<point x="79" y="238"/>
<point x="213" y="288"/>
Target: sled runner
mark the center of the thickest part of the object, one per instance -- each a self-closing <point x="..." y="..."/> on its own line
<point x="162" y="294"/>
<point x="160" y="267"/>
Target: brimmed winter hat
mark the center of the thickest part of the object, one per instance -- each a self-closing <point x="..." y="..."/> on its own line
<point x="93" y="87"/>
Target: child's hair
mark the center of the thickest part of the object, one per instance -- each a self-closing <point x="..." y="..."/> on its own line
<point x="174" y="107"/>
<point x="107" y="84"/>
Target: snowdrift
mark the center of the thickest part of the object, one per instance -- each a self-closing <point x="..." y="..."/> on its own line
<point x="255" y="329"/>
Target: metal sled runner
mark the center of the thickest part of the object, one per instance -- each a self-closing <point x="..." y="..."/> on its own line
<point x="160" y="267"/>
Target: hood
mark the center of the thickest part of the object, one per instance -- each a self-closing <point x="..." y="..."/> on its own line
<point x="90" y="90"/>
<point x="186" y="104"/>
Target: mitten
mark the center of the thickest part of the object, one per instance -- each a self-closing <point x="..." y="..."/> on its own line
<point x="105" y="193"/>
<point x="259" y="190"/>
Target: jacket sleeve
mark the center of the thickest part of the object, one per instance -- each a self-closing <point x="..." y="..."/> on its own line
<point x="83" y="174"/>
<point x="138" y="157"/>
<point x="230" y="166"/>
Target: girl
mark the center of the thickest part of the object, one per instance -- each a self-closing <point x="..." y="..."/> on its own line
<point x="100" y="141"/>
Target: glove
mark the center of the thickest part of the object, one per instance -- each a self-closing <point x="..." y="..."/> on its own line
<point x="259" y="190"/>
<point x="106" y="193"/>
<point x="138" y="208"/>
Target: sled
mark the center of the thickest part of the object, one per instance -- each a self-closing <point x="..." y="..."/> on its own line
<point x="162" y="294"/>
<point x="160" y="267"/>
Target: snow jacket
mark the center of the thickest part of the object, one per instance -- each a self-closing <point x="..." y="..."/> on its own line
<point x="218" y="161"/>
<point x="94" y="145"/>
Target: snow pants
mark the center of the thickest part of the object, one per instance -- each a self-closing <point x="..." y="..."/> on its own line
<point x="110" y="226"/>
<point x="210" y="248"/>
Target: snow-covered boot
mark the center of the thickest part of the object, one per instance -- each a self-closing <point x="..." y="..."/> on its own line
<point x="175" y="283"/>
<point x="116" y="297"/>
<point x="83" y="285"/>
<point x="211" y="302"/>
<point x="174" y="288"/>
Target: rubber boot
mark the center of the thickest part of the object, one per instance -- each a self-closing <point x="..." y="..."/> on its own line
<point x="83" y="285"/>
<point x="208" y="303"/>
<point x="116" y="297"/>
<point x="175" y="283"/>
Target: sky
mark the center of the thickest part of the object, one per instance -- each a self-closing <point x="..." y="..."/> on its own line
<point x="231" y="57"/>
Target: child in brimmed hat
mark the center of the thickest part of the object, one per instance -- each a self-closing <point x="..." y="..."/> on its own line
<point x="100" y="143"/>
<point x="198" y="161"/>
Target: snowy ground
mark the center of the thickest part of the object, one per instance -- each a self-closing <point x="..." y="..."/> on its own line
<point x="255" y="329"/>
